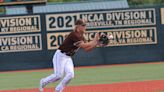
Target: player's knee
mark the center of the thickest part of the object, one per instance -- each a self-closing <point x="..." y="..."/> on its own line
<point x="70" y="75"/>
<point x="58" y="77"/>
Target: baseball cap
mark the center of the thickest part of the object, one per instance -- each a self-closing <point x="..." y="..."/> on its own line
<point x="80" y="22"/>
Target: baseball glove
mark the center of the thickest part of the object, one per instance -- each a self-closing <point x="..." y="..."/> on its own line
<point x="103" y="40"/>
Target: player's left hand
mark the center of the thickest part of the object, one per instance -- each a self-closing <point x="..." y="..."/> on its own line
<point x="104" y="39"/>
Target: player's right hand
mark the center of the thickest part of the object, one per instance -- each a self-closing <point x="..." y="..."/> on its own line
<point x="97" y="36"/>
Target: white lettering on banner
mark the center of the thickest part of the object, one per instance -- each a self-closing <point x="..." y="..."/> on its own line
<point x="20" y="48"/>
<point x="24" y="47"/>
<point x="93" y="17"/>
<point x="127" y="15"/>
<point x="17" y="43"/>
<point x="23" y="28"/>
<point x="15" y="22"/>
<point x="141" y="21"/>
<point x="130" y="34"/>
<point x="19" y="24"/>
<point x="16" y="40"/>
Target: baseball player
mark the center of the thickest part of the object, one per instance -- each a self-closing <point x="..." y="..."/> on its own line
<point x="62" y="62"/>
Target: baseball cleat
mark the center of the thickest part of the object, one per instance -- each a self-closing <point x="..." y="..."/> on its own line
<point x="41" y="86"/>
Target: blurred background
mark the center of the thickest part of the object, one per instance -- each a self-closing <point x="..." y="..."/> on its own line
<point x="32" y="30"/>
<point x="48" y="25"/>
<point x="29" y="9"/>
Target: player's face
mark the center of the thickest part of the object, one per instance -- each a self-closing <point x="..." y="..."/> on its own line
<point x="82" y="28"/>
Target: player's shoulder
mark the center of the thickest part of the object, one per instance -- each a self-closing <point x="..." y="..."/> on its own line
<point x="74" y="33"/>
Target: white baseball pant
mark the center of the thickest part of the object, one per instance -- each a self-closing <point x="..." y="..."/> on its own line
<point x="62" y="64"/>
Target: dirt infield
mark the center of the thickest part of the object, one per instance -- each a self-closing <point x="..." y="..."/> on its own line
<point x="144" y="86"/>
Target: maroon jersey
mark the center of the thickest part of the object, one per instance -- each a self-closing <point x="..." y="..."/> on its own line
<point x="68" y="46"/>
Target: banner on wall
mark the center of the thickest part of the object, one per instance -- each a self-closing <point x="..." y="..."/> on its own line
<point x="122" y="37"/>
<point x="59" y="25"/>
<point x="102" y="19"/>
<point x="17" y="43"/>
<point x="20" y="24"/>
<point x="162" y="15"/>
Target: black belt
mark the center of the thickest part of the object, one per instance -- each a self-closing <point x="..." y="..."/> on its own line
<point x="65" y="53"/>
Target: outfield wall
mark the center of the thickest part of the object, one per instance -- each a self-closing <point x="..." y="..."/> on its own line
<point x="29" y="41"/>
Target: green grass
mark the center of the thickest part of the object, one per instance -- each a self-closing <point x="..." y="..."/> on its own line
<point x="86" y="76"/>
